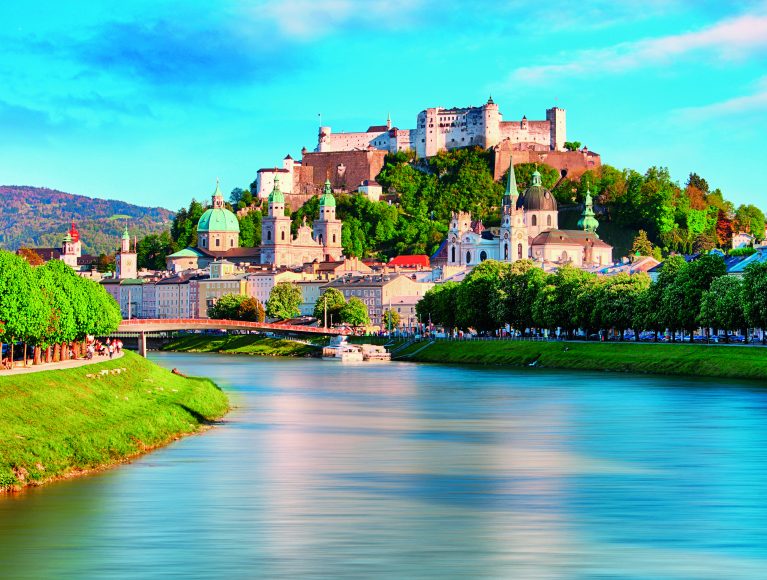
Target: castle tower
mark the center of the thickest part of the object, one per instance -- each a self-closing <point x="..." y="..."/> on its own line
<point x="557" y="119"/>
<point x="71" y="248"/>
<point x="513" y="233"/>
<point x="327" y="229"/>
<point x="492" y="123"/>
<point x="588" y="221"/>
<point x="275" y="230"/>
<point x="126" y="265"/>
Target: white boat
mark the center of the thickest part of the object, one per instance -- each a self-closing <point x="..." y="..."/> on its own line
<point x="341" y="351"/>
<point x="374" y="352"/>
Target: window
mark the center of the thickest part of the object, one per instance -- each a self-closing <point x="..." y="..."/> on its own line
<point x="334" y="238"/>
<point x="231" y="243"/>
<point x="519" y="251"/>
<point x="269" y="235"/>
<point x="535" y="220"/>
<point x="218" y="242"/>
<point x="452" y="254"/>
<point x="483" y="256"/>
<point x="548" y="220"/>
<point x="506" y="251"/>
<point x="283" y="235"/>
<point x="468" y="257"/>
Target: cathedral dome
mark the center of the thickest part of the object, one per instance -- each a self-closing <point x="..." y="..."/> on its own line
<point x="276" y="196"/>
<point x="537" y="197"/>
<point x="218" y="218"/>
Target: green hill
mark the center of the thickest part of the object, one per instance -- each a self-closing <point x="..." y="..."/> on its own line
<point x="39" y="217"/>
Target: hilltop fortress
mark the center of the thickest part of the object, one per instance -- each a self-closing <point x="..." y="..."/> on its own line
<point x="353" y="159"/>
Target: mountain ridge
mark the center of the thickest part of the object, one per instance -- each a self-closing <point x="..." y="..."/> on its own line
<point x="39" y="217"/>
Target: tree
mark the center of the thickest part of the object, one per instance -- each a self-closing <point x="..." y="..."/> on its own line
<point x="513" y="303"/>
<point x="105" y="263"/>
<point x="616" y="301"/>
<point x="750" y="218"/>
<point x="331" y="301"/>
<point x="226" y="307"/>
<point x="284" y="301"/>
<point x="682" y="298"/>
<point x="572" y="145"/>
<point x="251" y="310"/>
<point x="755" y="295"/>
<point x="390" y="319"/>
<point x="642" y="245"/>
<point x="722" y="306"/>
<point x="22" y="313"/>
<point x="477" y="290"/>
<point x="439" y="306"/>
<point x="704" y="242"/>
<point x="152" y="250"/>
<point x="355" y="313"/>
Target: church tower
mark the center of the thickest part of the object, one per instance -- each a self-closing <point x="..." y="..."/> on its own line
<point x="460" y="223"/>
<point x="71" y="248"/>
<point x="327" y="229"/>
<point x="513" y="234"/>
<point x="125" y="260"/>
<point x="275" y="230"/>
<point x="588" y="222"/>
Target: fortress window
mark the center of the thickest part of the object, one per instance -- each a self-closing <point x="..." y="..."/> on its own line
<point x="283" y="235"/>
<point x="334" y="238"/>
<point x="218" y="242"/>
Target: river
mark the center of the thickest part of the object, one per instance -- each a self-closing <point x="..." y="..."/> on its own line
<point x="421" y="471"/>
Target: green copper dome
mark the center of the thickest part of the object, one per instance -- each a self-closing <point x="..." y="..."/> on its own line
<point x="588" y="222"/>
<point x="276" y="196"/>
<point x="126" y="235"/>
<point x="327" y="199"/>
<point x="218" y="218"/>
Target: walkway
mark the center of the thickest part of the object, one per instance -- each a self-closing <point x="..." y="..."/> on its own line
<point x="67" y="364"/>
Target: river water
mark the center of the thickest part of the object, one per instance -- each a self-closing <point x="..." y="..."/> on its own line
<point x="421" y="471"/>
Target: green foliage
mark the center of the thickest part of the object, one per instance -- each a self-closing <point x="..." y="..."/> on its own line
<point x="483" y="282"/>
<point x="572" y="145"/>
<point x="722" y="306"/>
<point x="755" y="294"/>
<point x="331" y="301"/>
<point x="390" y="319"/>
<point x="750" y="218"/>
<point x="617" y="300"/>
<point x="152" y="250"/>
<point x="439" y="305"/>
<point x="284" y="301"/>
<point x="524" y="175"/>
<point x="250" y="229"/>
<point x="741" y="252"/>
<point x="513" y="304"/>
<point x="642" y="245"/>
<point x="355" y="313"/>
<point x="183" y="231"/>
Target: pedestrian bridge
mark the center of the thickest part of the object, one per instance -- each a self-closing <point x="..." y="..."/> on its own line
<point x="143" y="326"/>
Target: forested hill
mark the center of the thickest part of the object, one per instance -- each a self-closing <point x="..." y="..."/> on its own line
<point x="34" y="216"/>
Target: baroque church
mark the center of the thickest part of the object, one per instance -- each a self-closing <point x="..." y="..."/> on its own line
<point x="529" y="229"/>
<point x="218" y="236"/>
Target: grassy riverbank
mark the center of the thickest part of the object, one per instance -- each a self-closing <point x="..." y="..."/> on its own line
<point x="60" y="423"/>
<point x="667" y="359"/>
<point x="255" y="344"/>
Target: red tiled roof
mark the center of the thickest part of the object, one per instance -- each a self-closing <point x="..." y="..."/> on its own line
<point x="412" y="261"/>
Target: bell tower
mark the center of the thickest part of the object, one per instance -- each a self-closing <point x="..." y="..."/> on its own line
<point x="513" y="234"/>
<point x="327" y="229"/>
<point x="126" y="265"/>
<point x="275" y="230"/>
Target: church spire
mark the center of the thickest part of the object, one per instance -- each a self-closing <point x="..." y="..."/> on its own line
<point x="588" y="222"/>
<point x="511" y="185"/>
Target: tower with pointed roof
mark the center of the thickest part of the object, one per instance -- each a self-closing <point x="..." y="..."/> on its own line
<point x="327" y="229"/>
<point x="71" y="247"/>
<point x="588" y="221"/>
<point x="275" y="229"/>
<point x="513" y="237"/>
<point x="126" y="263"/>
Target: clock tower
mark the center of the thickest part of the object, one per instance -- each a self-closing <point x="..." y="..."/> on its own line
<point x="126" y="265"/>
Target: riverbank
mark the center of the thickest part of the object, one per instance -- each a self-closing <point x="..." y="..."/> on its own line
<point x="62" y="423"/>
<point x="253" y="344"/>
<point x="664" y="359"/>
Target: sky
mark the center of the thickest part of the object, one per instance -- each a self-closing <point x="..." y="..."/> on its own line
<point x="150" y="102"/>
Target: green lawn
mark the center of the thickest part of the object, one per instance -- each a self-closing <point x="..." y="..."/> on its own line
<point x="255" y="344"/>
<point x="668" y="359"/>
<point x="59" y="422"/>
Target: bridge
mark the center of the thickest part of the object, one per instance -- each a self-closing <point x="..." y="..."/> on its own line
<point x="142" y="326"/>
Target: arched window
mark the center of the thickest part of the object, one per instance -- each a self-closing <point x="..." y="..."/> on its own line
<point x="483" y="256"/>
<point x="519" y="251"/>
<point x="320" y="239"/>
<point x="505" y="251"/>
<point x="535" y="220"/>
<point x="282" y="236"/>
<point x="231" y="243"/>
<point x="452" y="255"/>
<point x="268" y="235"/>
<point x="334" y="238"/>
<point x="204" y="242"/>
<point x="548" y="220"/>
<point x="468" y="257"/>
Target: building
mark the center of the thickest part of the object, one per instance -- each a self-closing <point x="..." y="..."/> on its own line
<point x="529" y="229"/>
<point x="742" y="240"/>
<point x="371" y="189"/>
<point x="70" y="252"/>
<point x="126" y="260"/>
<point x="311" y="290"/>
<point x="414" y="262"/>
<point x="438" y="128"/>
<point x="378" y="291"/>
<point x="173" y="296"/>
<point x="128" y="293"/>
<point x="331" y="269"/>
<point x="319" y="243"/>
<point x="260" y="284"/>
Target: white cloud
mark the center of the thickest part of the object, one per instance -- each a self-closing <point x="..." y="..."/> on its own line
<point x="756" y="101"/>
<point x="726" y="40"/>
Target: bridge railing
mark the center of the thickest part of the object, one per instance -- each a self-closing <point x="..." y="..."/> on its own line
<point x="138" y="323"/>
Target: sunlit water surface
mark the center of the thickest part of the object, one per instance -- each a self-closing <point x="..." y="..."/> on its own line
<point x="408" y="471"/>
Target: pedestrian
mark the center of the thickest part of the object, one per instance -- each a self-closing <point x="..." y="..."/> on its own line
<point x="111" y="349"/>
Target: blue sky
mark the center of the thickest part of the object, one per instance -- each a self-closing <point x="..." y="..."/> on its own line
<point x="150" y="102"/>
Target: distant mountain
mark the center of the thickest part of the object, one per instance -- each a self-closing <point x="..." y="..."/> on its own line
<point x="40" y="217"/>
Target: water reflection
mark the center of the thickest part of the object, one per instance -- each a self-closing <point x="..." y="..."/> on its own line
<point x="406" y="471"/>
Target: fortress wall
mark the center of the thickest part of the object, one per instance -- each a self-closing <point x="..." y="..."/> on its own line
<point x="575" y="162"/>
<point x="538" y="132"/>
<point x="345" y="169"/>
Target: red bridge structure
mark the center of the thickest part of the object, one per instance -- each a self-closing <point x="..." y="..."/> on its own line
<point x="143" y="326"/>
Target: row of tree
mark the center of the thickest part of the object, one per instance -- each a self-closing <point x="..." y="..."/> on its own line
<point x="686" y="296"/>
<point x="50" y="307"/>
